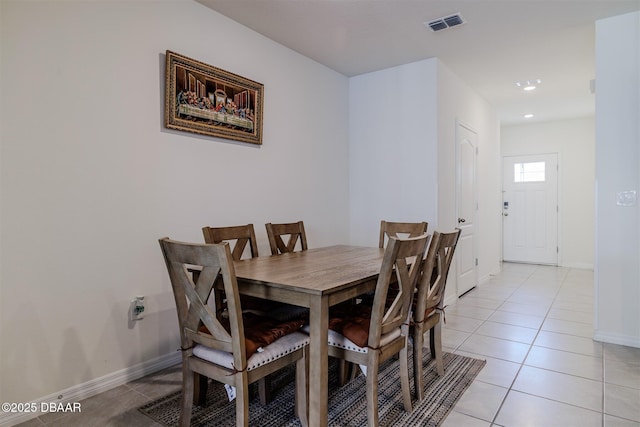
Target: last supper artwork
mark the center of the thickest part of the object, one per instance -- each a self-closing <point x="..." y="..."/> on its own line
<point x="204" y="99"/>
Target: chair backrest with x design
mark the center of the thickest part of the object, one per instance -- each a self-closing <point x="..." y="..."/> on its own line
<point x="400" y="229"/>
<point x="243" y="235"/>
<point x="402" y="258"/>
<point x="436" y="269"/>
<point x="192" y="297"/>
<point x="296" y="233"/>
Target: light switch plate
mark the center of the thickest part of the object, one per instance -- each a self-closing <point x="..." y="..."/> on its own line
<point x="626" y="198"/>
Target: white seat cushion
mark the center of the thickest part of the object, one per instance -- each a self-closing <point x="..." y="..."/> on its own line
<point x="277" y="349"/>
<point x="336" y="339"/>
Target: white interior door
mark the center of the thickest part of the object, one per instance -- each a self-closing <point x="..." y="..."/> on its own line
<point x="530" y="209"/>
<point x="466" y="258"/>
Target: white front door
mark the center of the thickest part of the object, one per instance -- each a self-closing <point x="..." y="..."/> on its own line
<point x="467" y="141"/>
<point x="530" y="209"/>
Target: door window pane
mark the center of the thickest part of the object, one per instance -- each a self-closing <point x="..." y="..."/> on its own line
<point x="529" y="172"/>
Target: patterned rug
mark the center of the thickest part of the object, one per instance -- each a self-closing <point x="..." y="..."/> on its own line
<point x="347" y="404"/>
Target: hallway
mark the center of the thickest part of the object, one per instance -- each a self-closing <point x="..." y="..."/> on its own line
<point x="533" y="324"/>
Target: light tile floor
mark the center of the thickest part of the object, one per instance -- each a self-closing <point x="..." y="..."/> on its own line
<point x="533" y="326"/>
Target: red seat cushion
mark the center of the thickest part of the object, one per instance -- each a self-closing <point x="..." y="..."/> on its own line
<point x="352" y="321"/>
<point x="260" y="331"/>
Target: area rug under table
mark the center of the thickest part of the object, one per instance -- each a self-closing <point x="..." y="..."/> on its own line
<point x="347" y="404"/>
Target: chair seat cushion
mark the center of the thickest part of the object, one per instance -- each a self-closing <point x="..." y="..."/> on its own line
<point x="260" y="331"/>
<point x="352" y="321"/>
<point x="349" y="327"/>
<point x="336" y="339"/>
<point x="279" y="348"/>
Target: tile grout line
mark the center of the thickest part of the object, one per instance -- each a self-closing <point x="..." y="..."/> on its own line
<point x="474" y="332"/>
<point x="495" y="417"/>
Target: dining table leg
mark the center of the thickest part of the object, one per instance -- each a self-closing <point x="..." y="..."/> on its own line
<point x="318" y="361"/>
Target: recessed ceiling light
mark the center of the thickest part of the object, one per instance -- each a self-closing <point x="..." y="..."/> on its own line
<point x="528" y="116"/>
<point x="529" y="85"/>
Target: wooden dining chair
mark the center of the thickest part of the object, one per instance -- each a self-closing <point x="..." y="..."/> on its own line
<point x="429" y="302"/>
<point x="400" y="229"/>
<point x="295" y="232"/>
<point x="244" y="245"/>
<point x="368" y="335"/>
<point x="240" y="235"/>
<point x="226" y="351"/>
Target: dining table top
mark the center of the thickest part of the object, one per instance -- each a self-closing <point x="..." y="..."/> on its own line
<point x="317" y="271"/>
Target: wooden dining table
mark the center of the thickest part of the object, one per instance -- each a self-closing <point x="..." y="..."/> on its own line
<point x="317" y="279"/>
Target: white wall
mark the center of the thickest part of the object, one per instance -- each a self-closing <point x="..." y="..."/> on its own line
<point x="458" y="102"/>
<point x="392" y="148"/>
<point x="574" y="141"/>
<point x="617" y="257"/>
<point x="402" y="154"/>
<point x="91" y="178"/>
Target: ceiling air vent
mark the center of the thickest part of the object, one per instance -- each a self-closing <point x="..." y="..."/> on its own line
<point x="445" y="22"/>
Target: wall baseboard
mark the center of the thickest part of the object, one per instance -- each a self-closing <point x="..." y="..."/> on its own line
<point x="578" y="265"/>
<point x="93" y="387"/>
<point x="486" y="278"/>
<point x="626" y="340"/>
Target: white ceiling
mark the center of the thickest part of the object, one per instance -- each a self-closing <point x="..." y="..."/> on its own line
<point x="502" y="42"/>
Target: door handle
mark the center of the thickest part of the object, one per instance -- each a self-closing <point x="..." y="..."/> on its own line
<point x="461" y="220"/>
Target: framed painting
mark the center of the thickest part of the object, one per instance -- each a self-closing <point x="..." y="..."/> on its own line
<point x="203" y="99"/>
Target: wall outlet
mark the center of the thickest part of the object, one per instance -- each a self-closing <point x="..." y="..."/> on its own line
<point x="136" y="309"/>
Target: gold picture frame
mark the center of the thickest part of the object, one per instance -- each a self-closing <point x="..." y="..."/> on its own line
<point x="203" y="99"/>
